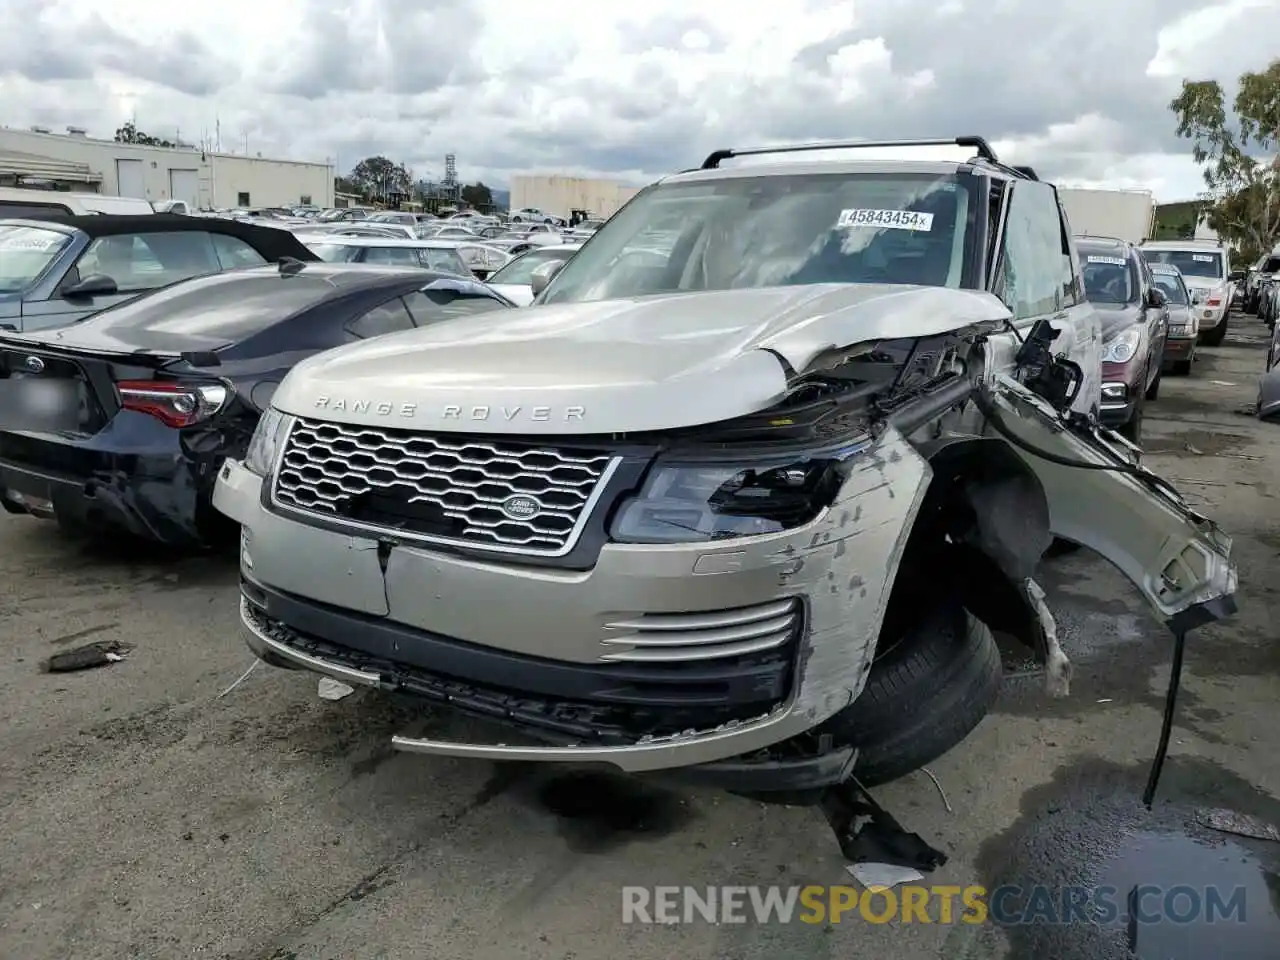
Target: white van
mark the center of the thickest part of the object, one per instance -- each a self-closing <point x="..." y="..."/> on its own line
<point x="21" y="202"/>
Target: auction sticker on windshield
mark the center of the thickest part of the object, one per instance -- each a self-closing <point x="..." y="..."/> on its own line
<point x="1202" y="257"/>
<point x="886" y="219"/>
<point x="30" y="243"/>
<point x="1116" y="261"/>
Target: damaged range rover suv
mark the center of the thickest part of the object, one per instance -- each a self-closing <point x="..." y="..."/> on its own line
<point x="740" y="498"/>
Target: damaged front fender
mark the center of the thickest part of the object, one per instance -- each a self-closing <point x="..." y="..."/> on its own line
<point x="1099" y="496"/>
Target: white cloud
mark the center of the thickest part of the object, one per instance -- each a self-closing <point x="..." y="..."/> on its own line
<point x="633" y="89"/>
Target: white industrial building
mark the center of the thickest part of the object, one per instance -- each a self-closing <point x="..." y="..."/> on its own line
<point x="560" y="195"/>
<point x="204" y="179"/>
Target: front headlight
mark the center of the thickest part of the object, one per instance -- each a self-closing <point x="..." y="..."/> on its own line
<point x="1197" y="297"/>
<point x="265" y="443"/>
<point x="691" y="502"/>
<point x="1123" y="347"/>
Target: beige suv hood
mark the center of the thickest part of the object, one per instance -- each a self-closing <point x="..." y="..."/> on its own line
<point x="616" y="366"/>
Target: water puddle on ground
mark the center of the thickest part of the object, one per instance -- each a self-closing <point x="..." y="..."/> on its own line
<point x="1193" y="899"/>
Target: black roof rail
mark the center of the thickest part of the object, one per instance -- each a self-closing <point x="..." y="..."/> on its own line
<point x="979" y="144"/>
<point x="1027" y="172"/>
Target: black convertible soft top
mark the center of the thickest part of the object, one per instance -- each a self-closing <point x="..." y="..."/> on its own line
<point x="272" y="243"/>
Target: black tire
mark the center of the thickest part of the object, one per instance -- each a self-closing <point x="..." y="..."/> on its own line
<point x="925" y="693"/>
<point x="1214" y="337"/>
<point x="1153" y="391"/>
<point x="1182" y="368"/>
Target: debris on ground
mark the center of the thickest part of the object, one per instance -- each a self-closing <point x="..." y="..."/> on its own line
<point x="1057" y="668"/>
<point x="96" y="654"/>
<point x="239" y="680"/>
<point x="882" y="876"/>
<point x="868" y="833"/>
<point x="331" y="689"/>
<point x="1242" y="825"/>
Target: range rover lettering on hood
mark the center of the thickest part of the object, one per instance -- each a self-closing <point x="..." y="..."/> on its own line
<point x="452" y="411"/>
<point x="616" y="366"/>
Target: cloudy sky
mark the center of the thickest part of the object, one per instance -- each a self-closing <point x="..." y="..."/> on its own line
<point x="1077" y="88"/>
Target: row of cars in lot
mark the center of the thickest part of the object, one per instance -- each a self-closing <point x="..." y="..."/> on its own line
<point x="686" y="513"/>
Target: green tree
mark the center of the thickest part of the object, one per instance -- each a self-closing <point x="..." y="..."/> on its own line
<point x="129" y="133"/>
<point x="379" y="177"/>
<point x="477" y="195"/>
<point x="1238" y="153"/>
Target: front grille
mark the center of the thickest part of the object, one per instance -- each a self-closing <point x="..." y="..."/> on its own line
<point x="488" y="494"/>
<point x="682" y="637"/>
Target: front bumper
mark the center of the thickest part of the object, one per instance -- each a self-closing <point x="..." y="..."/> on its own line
<point x="1120" y="396"/>
<point x="536" y="648"/>
<point x="1210" y="318"/>
<point x="1178" y="350"/>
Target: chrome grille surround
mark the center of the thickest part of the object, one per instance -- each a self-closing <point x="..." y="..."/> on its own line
<point x="685" y="637"/>
<point x="468" y="480"/>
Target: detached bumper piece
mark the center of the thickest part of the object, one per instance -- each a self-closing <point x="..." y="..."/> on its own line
<point x="618" y="703"/>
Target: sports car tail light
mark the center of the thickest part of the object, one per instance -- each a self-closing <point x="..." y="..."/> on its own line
<point x="173" y="404"/>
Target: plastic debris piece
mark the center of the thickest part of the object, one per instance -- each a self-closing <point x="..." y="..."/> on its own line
<point x="1057" y="668"/>
<point x="882" y="876"/>
<point x="96" y="654"/>
<point x="331" y="689"/>
<point x="1242" y="825"/>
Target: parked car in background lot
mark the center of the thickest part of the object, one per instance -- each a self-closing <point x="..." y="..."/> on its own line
<point x="1184" y="328"/>
<point x="1135" y="323"/>
<point x="59" y="271"/>
<point x="502" y="516"/>
<point x="531" y="215"/>
<point x="1266" y="269"/>
<point x="23" y="202"/>
<point x="482" y="258"/>
<point x="1206" y="269"/>
<point x="514" y="281"/>
<point x="428" y="254"/>
<point x="122" y="421"/>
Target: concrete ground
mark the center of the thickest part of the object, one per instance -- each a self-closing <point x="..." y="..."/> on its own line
<point x="146" y="816"/>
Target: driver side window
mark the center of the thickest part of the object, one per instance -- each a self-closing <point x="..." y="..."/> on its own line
<point x="1036" y="272"/>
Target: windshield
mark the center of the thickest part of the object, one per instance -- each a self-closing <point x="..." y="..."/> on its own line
<point x="521" y="270"/>
<point x="332" y="252"/>
<point x="1108" y="278"/>
<point x="753" y="231"/>
<point x="1270" y="265"/>
<point x="1173" y="287"/>
<point x="1190" y="262"/>
<point x="25" y="253"/>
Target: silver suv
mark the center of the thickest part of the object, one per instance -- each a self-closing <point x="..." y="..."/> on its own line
<point x="739" y="498"/>
<point x="1206" y="268"/>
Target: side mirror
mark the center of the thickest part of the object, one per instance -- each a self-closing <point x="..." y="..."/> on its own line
<point x="542" y="276"/>
<point x="94" y="285"/>
<point x="1156" y="298"/>
<point x="1235" y="276"/>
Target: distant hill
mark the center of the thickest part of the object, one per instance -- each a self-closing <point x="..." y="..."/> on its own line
<point x="501" y="198"/>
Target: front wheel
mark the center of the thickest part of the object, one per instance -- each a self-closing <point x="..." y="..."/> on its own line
<point x="1182" y="368"/>
<point x="926" y="692"/>
<point x="1153" y="391"/>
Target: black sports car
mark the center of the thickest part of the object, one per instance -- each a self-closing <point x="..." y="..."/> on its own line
<point x="123" y="420"/>
<point x="58" y="270"/>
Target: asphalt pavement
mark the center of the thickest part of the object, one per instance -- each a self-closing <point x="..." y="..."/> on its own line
<point x="149" y="813"/>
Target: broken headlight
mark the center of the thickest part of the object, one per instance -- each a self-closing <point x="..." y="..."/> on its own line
<point x="272" y="428"/>
<point x="691" y="501"/>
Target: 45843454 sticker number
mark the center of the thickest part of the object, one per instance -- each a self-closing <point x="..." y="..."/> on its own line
<point x="886" y="219"/>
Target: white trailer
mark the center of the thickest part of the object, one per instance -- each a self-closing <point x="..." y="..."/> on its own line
<point x="1123" y="214"/>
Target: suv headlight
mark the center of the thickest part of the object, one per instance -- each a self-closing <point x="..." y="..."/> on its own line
<point x="1123" y="347"/>
<point x="272" y="428"/>
<point x="685" y="501"/>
